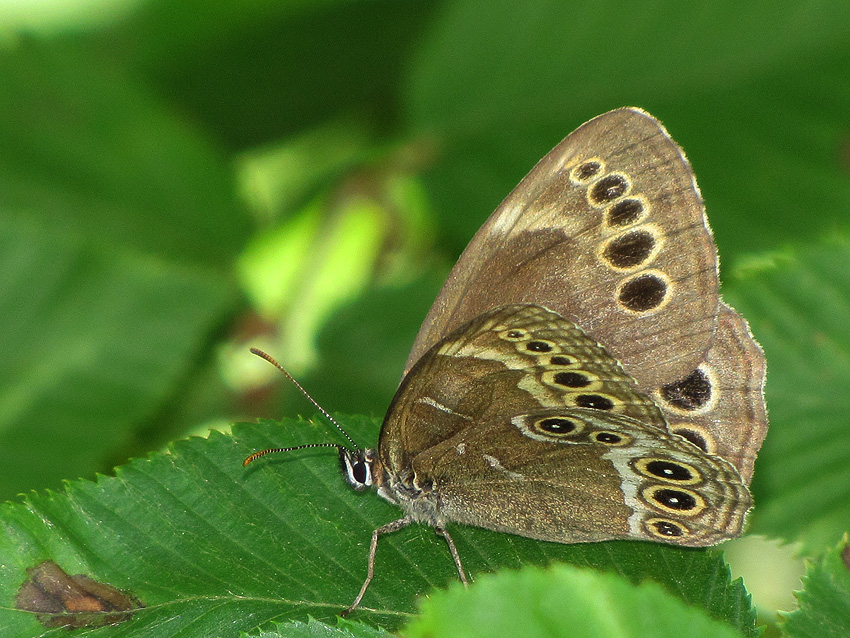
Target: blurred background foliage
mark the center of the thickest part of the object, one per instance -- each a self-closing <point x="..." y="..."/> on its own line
<point x="180" y="180"/>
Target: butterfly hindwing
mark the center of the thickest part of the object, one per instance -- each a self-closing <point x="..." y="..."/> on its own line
<point x="576" y="474"/>
<point x="520" y="411"/>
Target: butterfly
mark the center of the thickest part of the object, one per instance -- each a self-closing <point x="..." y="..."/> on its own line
<point x="578" y="378"/>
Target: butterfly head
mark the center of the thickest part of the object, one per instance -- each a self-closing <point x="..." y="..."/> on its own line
<point x="357" y="467"/>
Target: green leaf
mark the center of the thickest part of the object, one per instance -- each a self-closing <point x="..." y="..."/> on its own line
<point x="117" y="222"/>
<point x="797" y="305"/>
<point x="328" y="58"/>
<point x="93" y="342"/>
<point x="575" y="56"/>
<point x="87" y="147"/>
<point x="825" y="600"/>
<point x="561" y="601"/>
<point x="316" y="629"/>
<point x="212" y="548"/>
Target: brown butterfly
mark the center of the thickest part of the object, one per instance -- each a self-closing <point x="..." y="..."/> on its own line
<point x="578" y="378"/>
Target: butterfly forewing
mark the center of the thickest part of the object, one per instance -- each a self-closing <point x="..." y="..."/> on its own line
<point x="609" y="231"/>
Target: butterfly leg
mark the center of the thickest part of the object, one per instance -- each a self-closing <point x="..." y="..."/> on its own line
<point x="373" y="548"/>
<point x="461" y="572"/>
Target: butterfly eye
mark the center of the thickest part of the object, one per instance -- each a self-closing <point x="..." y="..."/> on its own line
<point x="357" y="468"/>
<point x="360" y="472"/>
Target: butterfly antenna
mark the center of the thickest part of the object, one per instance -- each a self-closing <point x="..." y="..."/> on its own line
<point x="271" y="360"/>
<point x="275" y="450"/>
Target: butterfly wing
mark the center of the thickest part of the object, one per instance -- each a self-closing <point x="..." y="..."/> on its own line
<point x="507" y="361"/>
<point x="720" y="405"/>
<point x="609" y="231"/>
<point x="520" y="422"/>
<point x="576" y="475"/>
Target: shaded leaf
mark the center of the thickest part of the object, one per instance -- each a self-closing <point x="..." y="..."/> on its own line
<point x="93" y="342"/>
<point x="270" y="69"/>
<point x="87" y="147"/>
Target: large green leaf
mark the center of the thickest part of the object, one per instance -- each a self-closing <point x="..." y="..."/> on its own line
<point x="758" y="103"/>
<point x="87" y="147"/>
<point x="562" y="601"/>
<point x="316" y="629"/>
<point x="93" y="342"/>
<point x="797" y="305"/>
<point x="552" y="55"/>
<point x="212" y="548"/>
<point x="257" y="72"/>
<point x="117" y="222"/>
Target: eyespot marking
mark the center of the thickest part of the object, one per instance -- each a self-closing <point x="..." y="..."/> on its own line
<point x="668" y="470"/>
<point x="608" y="188"/>
<point x="625" y="212"/>
<point x="645" y="292"/>
<point x="514" y="334"/>
<point x="566" y="380"/>
<point x="572" y="379"/>
<point x="596" y="401"/>
<point x="664" y="529"/>
<point x="675" y="500"/>
<point x="612" y="439"/>
<point x="549" y="429"/>
<point x="691" y="393"/>
<point x="587" y="171"/>
<point x="539" y="345"/>
<point x="630" y="249"/>
<point x="696" y="435"/>
<point x="556" y="425"/>
<point x="560" y="360"/>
